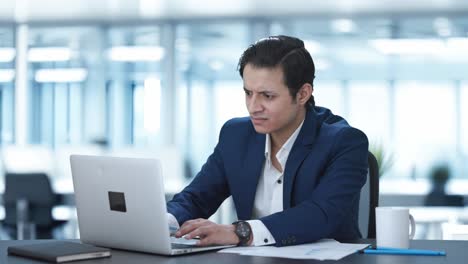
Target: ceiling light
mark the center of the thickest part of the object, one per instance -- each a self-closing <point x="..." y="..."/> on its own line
<point x="49" y="54"/>
<point x="216" y="65"/>
<point x="343" y="25"/>
<point x="7" y="54"/>
<point x="136" y="53"/>
<point x="61" y="75"/>
<point x="408" y="46"/>
<point x="152" y="8"/>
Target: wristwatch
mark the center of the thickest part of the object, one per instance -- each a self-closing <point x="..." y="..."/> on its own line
<point x="243" y="232"/>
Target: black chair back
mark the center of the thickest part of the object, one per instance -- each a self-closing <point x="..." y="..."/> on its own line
<point x="36" y="190"/>
<point x="369" y="199"/>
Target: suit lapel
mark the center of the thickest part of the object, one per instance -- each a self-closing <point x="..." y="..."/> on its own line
<point x="253" y="164"/>
<point x="299" y="152"/>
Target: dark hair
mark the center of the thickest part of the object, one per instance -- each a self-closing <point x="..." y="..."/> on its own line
<point x="440" y="174"/>
<point x="287" y="52"/>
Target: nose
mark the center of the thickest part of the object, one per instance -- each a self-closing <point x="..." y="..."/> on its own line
<point x="253" y="104"/>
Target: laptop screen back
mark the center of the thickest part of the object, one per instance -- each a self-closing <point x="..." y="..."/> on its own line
<point x="120" y="203"/>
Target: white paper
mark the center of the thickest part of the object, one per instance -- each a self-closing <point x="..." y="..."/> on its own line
<point x="325" y="249"/>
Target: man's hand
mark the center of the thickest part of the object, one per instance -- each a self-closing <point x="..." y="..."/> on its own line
<point x="209" y="233"/>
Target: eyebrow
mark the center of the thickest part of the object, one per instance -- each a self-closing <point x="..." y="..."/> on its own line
<point x="263" y="91"/>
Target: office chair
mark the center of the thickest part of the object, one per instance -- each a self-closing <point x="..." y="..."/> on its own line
<point x="443" y="199"/>
<point x="32" y="192"/>
<point x="369" y="199"/>
<point x="440" y="175"/>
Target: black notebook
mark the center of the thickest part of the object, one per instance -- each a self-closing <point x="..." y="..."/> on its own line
<point x="59" y="251"/>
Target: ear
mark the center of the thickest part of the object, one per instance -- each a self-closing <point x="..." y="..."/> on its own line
<point x="304" y="93"/>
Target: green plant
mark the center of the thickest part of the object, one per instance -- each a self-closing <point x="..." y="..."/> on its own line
<point x="384" y="159"/>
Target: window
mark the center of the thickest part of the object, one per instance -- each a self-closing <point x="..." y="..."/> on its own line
<point x="464" y="120"/>
<point x="229" y="102"/>
<point x="146" y="112"/>
<point x="149" y="85"/>
<point x="136" y="89"/>
<point x="61" y="63"/>
<point x="330" y="95"/>
<point x="425" y="128"/>
<point x="209" y="86"/>
<point x="369" y="110"/>
<point x="7" y="78"/>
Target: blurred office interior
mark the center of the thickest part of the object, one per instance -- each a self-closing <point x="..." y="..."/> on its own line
<point x="158" y="78"/>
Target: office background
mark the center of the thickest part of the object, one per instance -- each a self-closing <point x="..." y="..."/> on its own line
<point x="159" y="78"/>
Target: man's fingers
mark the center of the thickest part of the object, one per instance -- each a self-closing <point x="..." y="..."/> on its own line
<point x="206" y="241"/>
<point x="184" y="230"/>
<point x="189" y="226"/>
<point x="208" y="232"/>
<point x="194" y="221"/>
<point x="201" y="232"/>
<point x="209" y="238"/>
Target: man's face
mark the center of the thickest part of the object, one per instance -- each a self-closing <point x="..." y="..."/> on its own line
<point x="271" y="107"/>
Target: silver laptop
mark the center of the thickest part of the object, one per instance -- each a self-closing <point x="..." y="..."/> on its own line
<point x="121" y="204"/>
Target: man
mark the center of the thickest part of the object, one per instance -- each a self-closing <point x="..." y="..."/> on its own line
<point x="294" y="170"/>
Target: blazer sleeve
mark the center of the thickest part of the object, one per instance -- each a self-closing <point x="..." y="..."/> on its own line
<point x="202" y="197"/>
<point x="331" y="201"/>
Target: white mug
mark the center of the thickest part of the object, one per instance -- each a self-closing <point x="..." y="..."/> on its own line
<point x="393" y="227"/>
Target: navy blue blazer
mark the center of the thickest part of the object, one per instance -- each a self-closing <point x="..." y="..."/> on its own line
<point x="323" y="176"/>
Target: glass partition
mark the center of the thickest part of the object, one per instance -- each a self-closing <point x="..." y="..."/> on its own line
<point x="136" y="85"/>
<point x="396" y="79"/>
<point x="426" y="131"/>
<point x="62" y="62"/>
<point x="463" y="119"/>
<point x="7" y="79"/>
<point x="175" y="82"/>
<point x="209" y="84"/>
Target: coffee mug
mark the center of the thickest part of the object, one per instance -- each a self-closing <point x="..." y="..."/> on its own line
<point x="395" y="227"/>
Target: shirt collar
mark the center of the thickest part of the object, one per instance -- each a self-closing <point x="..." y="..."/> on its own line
<point x="286" y="148"/>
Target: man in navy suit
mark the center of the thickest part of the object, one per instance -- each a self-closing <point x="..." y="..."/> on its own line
<point x="294" y="170"/>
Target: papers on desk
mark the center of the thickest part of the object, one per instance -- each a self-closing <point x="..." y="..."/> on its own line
<point x="325" y="249"/>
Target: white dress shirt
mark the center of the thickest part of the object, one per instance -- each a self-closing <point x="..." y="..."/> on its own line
<point x="269" y="194"/>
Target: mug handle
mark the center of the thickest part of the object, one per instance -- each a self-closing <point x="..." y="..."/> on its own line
<point x="413" y="226"/>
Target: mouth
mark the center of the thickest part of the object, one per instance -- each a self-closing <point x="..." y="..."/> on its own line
<point x="258" y="120"/>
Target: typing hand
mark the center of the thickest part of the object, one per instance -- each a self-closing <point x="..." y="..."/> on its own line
<point x="209" y="233"/>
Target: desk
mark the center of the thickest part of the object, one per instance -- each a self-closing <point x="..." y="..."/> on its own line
<point x="456" y="253"/>
<point x="431" y="218"/>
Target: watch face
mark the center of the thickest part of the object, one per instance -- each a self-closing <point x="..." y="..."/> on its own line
<point x="243" y="230"/>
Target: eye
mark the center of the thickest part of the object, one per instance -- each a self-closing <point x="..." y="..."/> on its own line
<point x="247" y="93"/>
<point x="268" y="96"/>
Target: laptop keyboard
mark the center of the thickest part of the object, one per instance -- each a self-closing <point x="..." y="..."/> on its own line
<point x="181" y="243"/>
<point x="181" y="246"/>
